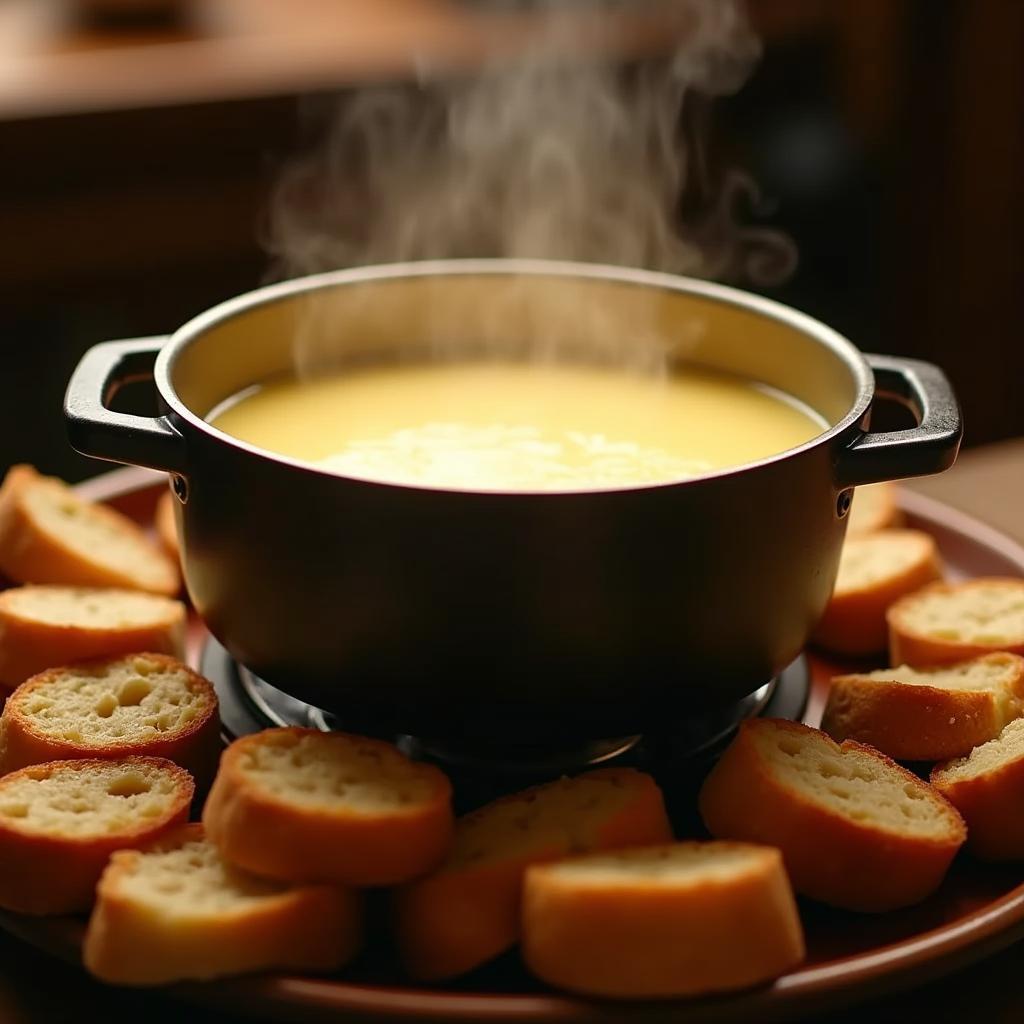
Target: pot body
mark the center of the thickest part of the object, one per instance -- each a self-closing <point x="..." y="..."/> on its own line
<point x="534" y="616"/>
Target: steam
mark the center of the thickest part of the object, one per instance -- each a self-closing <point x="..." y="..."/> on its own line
<point x="556" y="151"/>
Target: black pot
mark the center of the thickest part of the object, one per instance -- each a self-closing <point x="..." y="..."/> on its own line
<point x="527" y="615"/>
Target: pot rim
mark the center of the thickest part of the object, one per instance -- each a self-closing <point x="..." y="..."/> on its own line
<point x="239" y="305"/>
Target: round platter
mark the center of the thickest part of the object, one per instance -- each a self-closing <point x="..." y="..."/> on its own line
<point x="978" y="910"/>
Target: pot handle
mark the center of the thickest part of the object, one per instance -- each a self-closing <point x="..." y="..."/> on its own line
<point x="930" y="447"/>
<point x="95" y="429"/>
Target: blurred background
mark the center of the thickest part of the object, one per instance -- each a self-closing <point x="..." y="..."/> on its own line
<point x="140" y="139"/>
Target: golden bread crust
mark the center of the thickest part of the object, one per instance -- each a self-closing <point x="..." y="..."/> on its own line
<point x="25" y="740"/>
<point x="911" y="643"/>
<point x="29" y="644"/>
<point x="917" y="722"/>
<point x="53" y="873"/>
<point x="468" y="911"/>
<point x="829" y="855"/>
<point x="854" y="621"/>
<point x="139" y="942"/>
<point x="33" y="551"/>
<point x="629" y="937"/>
<point x="274" y="836"/>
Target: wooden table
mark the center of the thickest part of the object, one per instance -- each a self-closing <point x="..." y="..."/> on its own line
<point x="987" y="483"/>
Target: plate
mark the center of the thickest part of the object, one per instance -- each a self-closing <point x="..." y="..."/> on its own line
<point x="978" y="910"/>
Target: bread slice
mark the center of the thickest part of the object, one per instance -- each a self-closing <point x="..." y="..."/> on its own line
<point x="307" y="806"/>
<point x="60" y="822"/>
<point x="926" y="714"/>
<point x="955" y="621"/>
<point x="874" y="508"/>
<point x="661" y="921"/>
<point x="987" y="788"/>
<point x="166" y="527"/>
<point x="43" y="627"/>
<point x="48" y="534"/>
<point x="468" y="911"/>
<point x="146" y="704"/>
<point x="874" y="571"/>
<point x="177" y="910"/>
<point x="855" y="829"/>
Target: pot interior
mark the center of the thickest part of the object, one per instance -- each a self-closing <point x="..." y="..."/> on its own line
<point x="644" y="323"/>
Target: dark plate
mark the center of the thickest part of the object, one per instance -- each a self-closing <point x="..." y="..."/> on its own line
<point x="978" y="910"/>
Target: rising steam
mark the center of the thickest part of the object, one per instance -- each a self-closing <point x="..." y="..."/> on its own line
<point x="554" y="152"/>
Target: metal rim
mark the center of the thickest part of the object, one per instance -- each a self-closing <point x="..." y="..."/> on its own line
<point x="240" y="305"/>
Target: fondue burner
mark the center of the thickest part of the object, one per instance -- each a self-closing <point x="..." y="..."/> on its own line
<point x="248" y="704"/>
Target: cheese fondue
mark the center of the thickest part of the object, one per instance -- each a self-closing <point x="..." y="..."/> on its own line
<point x="504" y="426"/>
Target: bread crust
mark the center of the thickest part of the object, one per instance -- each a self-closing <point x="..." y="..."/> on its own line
<point x="43" y="873"/>
<point x="29" y="646"/>
<point x="828" y="855"/>
<point x="464" y="915"/>
<point x="311" y="928"/>
<point x="992" y="804"/>
<point x="195" y="746"/>
<point x="632" y="938"/>
<point x="278" y="838"/>
<point x="917" y="722"/>
<point x="33" y="552"/>
<point x="911" y="645"/>
<point x="854" y="621"/>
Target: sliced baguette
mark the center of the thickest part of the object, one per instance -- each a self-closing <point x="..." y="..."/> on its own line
<point x="661" y="921"/>
<point x="874" y="571"/>
<point x="955" y="621"/>
<point x="987" y="788"/>
<point x="855" y="829"/>
<point x="874" y="508"/>
<point x="60" y="822"/>
<point x="468" y="911"/>
<point x="43" y="627"/>
<point x="176" y="910"/>
<point x="306" y="806"/>
<point x="927" y="714"/>
<point x="145" y="704"/>
<point x="48" y="534"/>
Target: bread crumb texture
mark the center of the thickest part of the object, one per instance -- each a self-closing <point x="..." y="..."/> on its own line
<point x="89" y="607"/>
<point x="870" y="559"/>
<point x="567" y="813"/>
<point x="1007" y="747"/>
<point x="189" y="877"/>
<point x="858" y="784"/>
<point x="325" y="769"/>
<point x="987" y="612"/>
<point x="137" y="698"/>
<point x="88" y="799"/>
<point x="989" y="672"/>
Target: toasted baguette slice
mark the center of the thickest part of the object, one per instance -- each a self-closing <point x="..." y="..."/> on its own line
<point x="874" y="571"/>
<point x="146" y="704"/>
<point x="855" y="829"/>
<point x="60" y="822"/>
<point x="48" y="534"/>
<point x="926" y="714"/>
<point x="955" y="621"/>
<point x="469" y="910"/>
<point x="177" y="910"/>
<point x="43" y="627"/>
<point x="661" y="921"/>
<point x="874" y="508"/>
<point x="166" y="527"/>
<point x="987" y="788"/>
<point x="306" y="806"/>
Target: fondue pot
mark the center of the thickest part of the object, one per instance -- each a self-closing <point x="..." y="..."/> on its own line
<point x="537" y="616"/>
